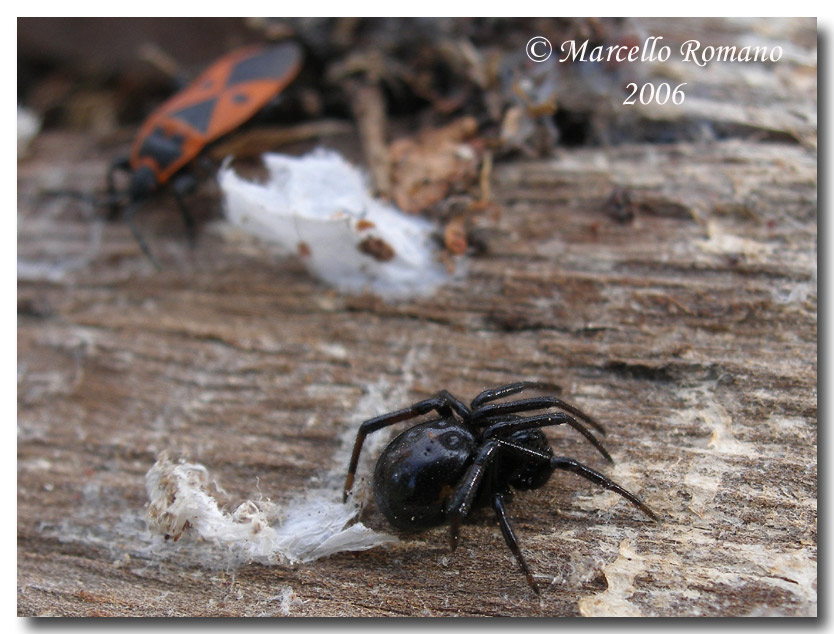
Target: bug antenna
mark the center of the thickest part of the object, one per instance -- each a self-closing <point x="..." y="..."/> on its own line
<point x="111" y="201"/>
<point x="85" y="197"/>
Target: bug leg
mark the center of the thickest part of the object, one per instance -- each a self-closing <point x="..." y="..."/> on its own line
<point x="544" y="420"/>
<point x="509" y="537"/>
<point x="443" y="403"/>
<point x="569" y="464"/>
<point x="464" y="496"/>
<point x="509" y="390"/>
<point x="523" y="405"/>
<point x="119" y="165"/>
<point x="184" y="185"/>
<point x="140" y="239"/>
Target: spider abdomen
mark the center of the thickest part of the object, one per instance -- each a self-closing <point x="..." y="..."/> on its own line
<point x="413" y="475"/>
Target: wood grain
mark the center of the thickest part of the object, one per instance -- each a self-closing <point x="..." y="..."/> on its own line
<point x="691" y="332"/>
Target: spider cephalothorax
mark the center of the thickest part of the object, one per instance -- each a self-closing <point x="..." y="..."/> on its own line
<point x="437" y="471"/>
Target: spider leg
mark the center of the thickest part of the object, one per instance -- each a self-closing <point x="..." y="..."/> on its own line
<point x="462" y="500"/>
<point x="540" y="402"/>
<point x="544" y="420"/>
<point x="569" y="464"/>
<point x="509" y="537"/>
<point x="512" y="388"/>
<point x="443" y="403"/>
<point x="459" y="408"/>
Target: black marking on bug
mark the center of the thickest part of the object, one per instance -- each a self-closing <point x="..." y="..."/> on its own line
<point x="197" y="116"/>
<point x="439" y="470"/>
<point x="163" y="148"/>
<point x="272" y="63"/>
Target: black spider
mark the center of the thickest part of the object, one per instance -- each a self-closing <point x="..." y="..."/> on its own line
<point x="439" y="470"/>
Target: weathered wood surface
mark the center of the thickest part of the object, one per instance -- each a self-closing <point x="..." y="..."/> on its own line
<point x="690" y="332"/>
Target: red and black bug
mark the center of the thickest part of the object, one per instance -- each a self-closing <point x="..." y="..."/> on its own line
<point x="229" y="93"/>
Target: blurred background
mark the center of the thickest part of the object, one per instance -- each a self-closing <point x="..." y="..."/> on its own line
<point x="659" y="262"/>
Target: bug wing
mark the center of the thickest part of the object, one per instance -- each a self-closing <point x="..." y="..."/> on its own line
<point x="225" y="96"/>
